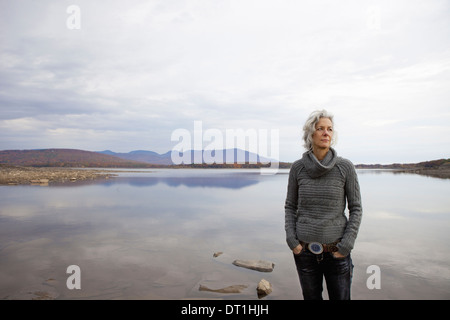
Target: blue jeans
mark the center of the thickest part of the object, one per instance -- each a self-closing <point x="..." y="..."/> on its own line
<point x="312" y="268"/>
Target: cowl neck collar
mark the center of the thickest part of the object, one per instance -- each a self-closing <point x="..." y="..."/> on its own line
<point x="316" y="168"/>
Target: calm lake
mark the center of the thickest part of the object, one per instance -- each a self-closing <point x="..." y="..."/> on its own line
<point x="151" y="234"/>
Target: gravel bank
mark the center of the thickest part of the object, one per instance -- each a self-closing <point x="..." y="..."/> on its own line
<point x="14" y="175"/>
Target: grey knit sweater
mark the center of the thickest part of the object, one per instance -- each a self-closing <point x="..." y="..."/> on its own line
<point x="317" y="194"/>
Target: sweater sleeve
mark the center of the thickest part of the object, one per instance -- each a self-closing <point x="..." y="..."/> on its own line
<point x="290" y="209"/>
<point x="353" y="194"/>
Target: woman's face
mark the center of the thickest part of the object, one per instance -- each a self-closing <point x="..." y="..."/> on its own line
<point x="323" y="134"/>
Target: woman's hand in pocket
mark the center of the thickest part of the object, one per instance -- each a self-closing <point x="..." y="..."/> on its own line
<point x="338" y="255"/>
<point x="298" y="249"/>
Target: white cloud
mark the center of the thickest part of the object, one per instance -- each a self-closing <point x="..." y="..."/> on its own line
<point x="146" y="68"/>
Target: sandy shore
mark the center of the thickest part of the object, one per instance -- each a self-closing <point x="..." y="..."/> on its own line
<point x="15" y="175"/>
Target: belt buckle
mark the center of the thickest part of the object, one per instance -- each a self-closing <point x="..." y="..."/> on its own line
<point x="315" y="247"/>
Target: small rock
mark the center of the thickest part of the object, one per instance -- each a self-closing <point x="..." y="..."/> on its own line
<point x="216" y="254"/>
<point x="264" y="288"/>
<point x="258" y="265"/>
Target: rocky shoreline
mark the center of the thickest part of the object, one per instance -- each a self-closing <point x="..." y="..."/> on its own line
<point x="16" y="175"/>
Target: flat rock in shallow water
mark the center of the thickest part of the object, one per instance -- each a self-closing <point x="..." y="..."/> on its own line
<point x="230" y="289"/>
<point x="258" y="265"/>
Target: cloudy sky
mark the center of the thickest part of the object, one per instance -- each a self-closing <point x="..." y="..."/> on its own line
<point x="123" y="75"/>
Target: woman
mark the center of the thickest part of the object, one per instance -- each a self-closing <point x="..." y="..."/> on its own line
<point x="317" y="230"/>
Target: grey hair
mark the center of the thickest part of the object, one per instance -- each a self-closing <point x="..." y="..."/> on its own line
<point x="310" y="127"/>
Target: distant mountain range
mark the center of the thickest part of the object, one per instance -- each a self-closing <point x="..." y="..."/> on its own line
<point x="142" y="156"/>
<point x="237" y="156"/>
<point x="65" y="158"/>
<point x="110" y="159"/>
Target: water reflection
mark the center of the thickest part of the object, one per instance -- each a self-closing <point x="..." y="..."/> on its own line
<point x="431" y="173"/>
<point x="152" y="234"/>
<point x="191" y="182"/>
<point x="235" y="179"/>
